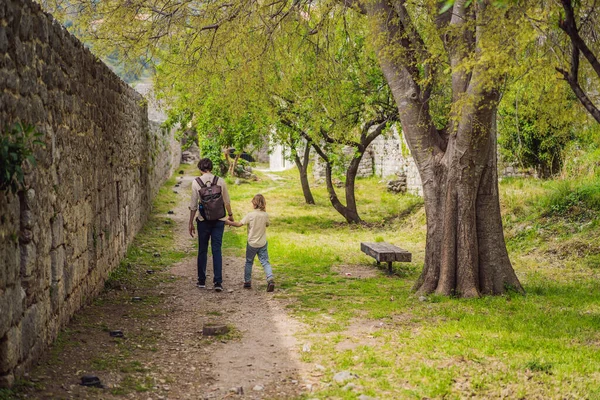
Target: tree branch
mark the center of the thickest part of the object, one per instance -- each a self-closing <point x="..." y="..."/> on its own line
<point x="418" y="46"/>
<point x="581" y="96"/>
<point x="569" y="26"/>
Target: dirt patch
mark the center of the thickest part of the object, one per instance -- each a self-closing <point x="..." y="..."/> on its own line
<point x="357" y="271"/>
<point x="360" y="333"/>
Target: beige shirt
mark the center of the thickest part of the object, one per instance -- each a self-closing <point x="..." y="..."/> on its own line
<point x="257" y="222"/>
<point x="207" y="179"/>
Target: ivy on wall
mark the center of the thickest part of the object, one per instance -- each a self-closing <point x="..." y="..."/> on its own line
<point x="17" y="146"/>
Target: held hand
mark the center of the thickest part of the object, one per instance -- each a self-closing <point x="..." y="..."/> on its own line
<point x="230" y="218"/>
<point x="192" y="230"/>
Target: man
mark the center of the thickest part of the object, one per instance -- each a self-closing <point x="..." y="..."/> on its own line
<point x="209" y="230"/>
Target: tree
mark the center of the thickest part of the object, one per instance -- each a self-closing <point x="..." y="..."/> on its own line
<point x="225" y="112"/>
<point x="290" y="137"/>
<point x="425" y="58"/>
<point x="465" y="250"/>
<point x="332" y="94"/>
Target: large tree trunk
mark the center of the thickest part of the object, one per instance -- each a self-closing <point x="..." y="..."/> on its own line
<point x="465" y="250"/>
<point x="303" y="169"/>
<point x="465" y="253"/>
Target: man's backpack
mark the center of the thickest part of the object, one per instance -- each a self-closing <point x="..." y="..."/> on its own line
<point x="211" y="205"/>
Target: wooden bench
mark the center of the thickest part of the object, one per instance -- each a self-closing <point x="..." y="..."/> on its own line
<point x="385" y="252"/>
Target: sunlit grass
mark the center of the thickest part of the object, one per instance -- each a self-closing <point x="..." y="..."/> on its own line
<point x="545" y="344"/>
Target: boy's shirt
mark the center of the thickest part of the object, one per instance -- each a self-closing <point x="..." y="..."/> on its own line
<point x="257" y="222"/>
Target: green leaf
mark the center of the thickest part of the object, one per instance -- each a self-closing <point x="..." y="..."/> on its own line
<point x="447" y="5"/>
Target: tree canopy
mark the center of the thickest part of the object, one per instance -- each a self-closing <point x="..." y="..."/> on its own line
<point x="245" y="65"/>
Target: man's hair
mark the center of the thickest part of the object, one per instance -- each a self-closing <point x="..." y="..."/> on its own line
<point x="205" y="165"/>
<point x="259" y="202"/>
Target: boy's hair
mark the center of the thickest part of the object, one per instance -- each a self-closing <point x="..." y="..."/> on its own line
<point x="259" y="202"/>
<point x="205" y="165"/>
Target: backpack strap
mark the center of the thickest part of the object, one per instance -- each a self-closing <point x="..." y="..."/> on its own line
<point x="202" y="184"/>
<point x="215" y="180"/>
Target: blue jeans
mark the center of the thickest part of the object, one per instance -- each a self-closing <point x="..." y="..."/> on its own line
<point x="263" y="257"/>
<point x="213" y="231"/>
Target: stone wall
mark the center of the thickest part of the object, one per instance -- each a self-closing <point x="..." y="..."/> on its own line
<point x="90" y="191"/>
<point x="391" y="156"/>
<point x="387" y="155"/>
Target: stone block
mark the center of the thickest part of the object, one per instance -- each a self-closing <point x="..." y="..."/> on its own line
<point x="57" y="263"/>
<point x="6" y="77"/>
<point x="11" y="307"/>
<point x="28" y="258"/>
<point x="10" y="349"/>
<point x="58" y="231"/>
<point x="38" y="111"/>
<point x="27" y="219"/>
<point x="30" y="329"/>
<point x="30" y="196"/>
<point x="45" y="271"/>
<point x="57" y="296"/>
<point x="6" y="381"/>
<point x="68" y="278"/>
<point x="48" y="76"/>
<point x="11" y="83"/>
<point x="9" y="268"/>
<point x="40" y="29"/>
<point x="3" y="40"/>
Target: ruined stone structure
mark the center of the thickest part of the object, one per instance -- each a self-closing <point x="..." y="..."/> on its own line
<point x="90" y="191"/>
<point x="391" y="158"/>
<point x="387" y="157"/>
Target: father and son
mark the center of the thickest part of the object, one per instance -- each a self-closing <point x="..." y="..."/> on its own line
<point x="210" y="200"/>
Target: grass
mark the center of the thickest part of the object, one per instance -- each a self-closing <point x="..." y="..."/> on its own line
<point x="545" y="344"/>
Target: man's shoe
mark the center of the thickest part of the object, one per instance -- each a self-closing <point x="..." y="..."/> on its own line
<point x="247" y="285"/>
<point x="270" y="286"/>
<point x="218" y="287"/>
<point x="201" y="284"/>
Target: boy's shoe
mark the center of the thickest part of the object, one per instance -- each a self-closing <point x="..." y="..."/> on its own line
<point x="247" y="285"/>
<point x="270" y="286"/>
<point x="218" y="287"/>
<point x="201" y="284"/>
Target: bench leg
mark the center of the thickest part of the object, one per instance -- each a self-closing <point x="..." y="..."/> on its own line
<point x="390" y="270"/>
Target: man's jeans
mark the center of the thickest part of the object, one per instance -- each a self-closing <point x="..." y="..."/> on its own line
<point x="213" y="231"/>
<point x="263" y="257"/>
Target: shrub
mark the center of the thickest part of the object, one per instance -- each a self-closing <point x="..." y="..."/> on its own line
<point x="567" y="195"/>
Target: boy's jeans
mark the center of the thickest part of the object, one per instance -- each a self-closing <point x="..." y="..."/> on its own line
<point x="263" y="257"/>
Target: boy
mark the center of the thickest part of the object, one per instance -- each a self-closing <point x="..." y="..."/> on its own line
<point x="257" y="222"/>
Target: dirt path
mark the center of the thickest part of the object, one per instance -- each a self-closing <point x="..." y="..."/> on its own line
<point x="163" y="354"/>
<point x="265" y="357"/>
